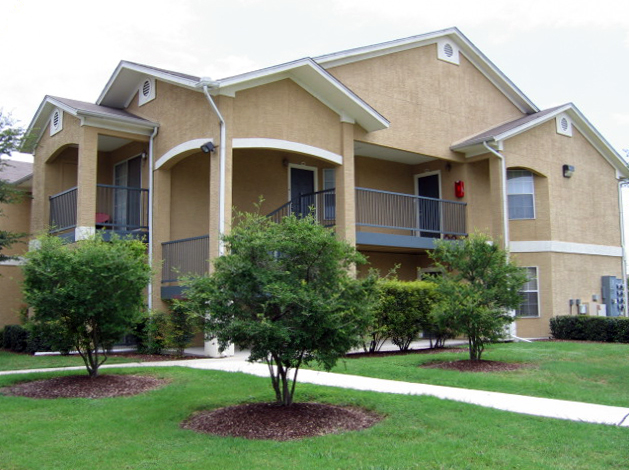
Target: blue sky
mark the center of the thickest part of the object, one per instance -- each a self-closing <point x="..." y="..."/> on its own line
<point x="555" y="51"/>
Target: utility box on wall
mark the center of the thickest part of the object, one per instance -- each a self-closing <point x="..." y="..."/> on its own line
<point x="613" y="292"/>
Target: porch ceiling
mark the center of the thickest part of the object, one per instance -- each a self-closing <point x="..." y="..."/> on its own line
<point x="365" y="149"/>
<point x="107" y="143"/>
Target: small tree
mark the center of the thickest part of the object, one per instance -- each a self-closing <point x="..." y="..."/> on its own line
<point x="478" y="287"/>
<point x="86" y="294"/>
<point x="285" y="292"/>
<point x="10" y="138"/>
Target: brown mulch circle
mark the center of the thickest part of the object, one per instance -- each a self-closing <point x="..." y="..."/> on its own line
<point x="280" y="423"/>
<point x="475" y="366"/>
<point x="82" y="386"/>
<point x="358" y="355"/>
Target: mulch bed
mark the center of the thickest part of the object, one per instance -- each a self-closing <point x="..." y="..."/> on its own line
<point x="280" y="423"/>
<point x="82" y="386"/>
<point x="475" y="366"/>
<point x="358" y="355"/>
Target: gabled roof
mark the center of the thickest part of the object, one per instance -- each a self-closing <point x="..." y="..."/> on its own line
<point x="473" y="145"/>
<point x="469" y="50"/>
<point x="89" y="113"/>
<point x="16" y="172"/>
<point x="305" y="72"/>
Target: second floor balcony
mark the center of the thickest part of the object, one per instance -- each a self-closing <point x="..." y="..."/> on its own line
<point x="119" y="209"/>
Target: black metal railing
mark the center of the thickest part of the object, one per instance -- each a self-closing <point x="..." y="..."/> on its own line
<point x="119" y="208"/>
<point x="122" y="208"/>
<point x="185" y="257"/>
<point x="416" y="215"/>
<point x="63" y="210"/>
<point x="322" y="204"/>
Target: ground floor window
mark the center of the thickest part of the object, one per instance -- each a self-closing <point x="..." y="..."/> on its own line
<point x="530" y="296"/>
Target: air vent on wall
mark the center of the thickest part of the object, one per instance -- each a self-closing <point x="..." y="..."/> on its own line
<point x="146" y="90"/>
<point x="448" y="51"/>
<point x="564" y="125"/>
<point x="56" y="121"/>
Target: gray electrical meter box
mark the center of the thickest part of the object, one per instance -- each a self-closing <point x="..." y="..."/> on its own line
<point x="613" y="295"/>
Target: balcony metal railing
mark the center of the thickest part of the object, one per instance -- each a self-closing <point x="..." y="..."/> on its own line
<point x="417" y="215"/>
<point x="322" y="204"/>
<point x="119" y="208"/>
<point x="184" y="257"/>
<point x="63" y="210"/>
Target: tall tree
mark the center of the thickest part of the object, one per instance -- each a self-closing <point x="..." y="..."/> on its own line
<point x="10" y="139"/>
<point x="477" y="288"/>
<point x="285" y="292"/>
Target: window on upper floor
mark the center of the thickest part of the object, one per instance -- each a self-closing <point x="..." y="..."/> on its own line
<point x="530" y="296"/>
<point x="521" y="194"/>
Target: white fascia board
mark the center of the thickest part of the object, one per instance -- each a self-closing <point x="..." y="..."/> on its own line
<point x="128" y="75"/>
<point x="42" y="117"/>
<point x="530" y="125"/>
<point x="117" y="125"/>
<point x="554" y="246"/>
<point x="316" y="81"/>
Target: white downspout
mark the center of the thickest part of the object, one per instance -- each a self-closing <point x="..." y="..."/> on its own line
<point x="505" y="219"/>
<point x="151" y="151"/>
<point x="623" y="182"/>
<point x="221" y="153"/>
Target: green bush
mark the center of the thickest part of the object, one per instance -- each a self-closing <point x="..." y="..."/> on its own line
<point x="1" y="338"/>
<point x="403" y="309"/>
<point x="586" y="328"/>
<point x="181" y="327"/>
<point x="15" y="338"/>
<point x="151" y="333"/>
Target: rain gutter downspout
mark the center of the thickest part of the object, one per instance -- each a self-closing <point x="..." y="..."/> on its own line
<point x="623" y="182"/>
<point x="221" y="153"/>
<point x="505" y="219"/>
<point x="150" y="240"/>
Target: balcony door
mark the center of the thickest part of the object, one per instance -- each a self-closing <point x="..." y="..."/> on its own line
<point x="127" y="197"/>
<point x="428" y="185"/>
<point x="302" y="184"/>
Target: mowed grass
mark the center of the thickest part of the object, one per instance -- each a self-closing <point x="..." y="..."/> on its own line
<point x="588" y="372"/>
<point x="14" y="361"/>
<point x="143" y="432"/>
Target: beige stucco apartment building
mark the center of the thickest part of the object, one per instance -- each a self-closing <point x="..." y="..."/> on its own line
<point x="395" y="145"/>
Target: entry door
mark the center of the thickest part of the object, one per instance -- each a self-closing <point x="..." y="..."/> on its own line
<point x="302" y="188"/>
<point x="127" y="200"/>
<point x="429" y="210"/>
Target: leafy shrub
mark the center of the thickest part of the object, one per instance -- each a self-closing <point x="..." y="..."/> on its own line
<point x="1" y="338"/>
<point x="403" y="309"/>
<point x="440" y="328"/>
<point x="586" y="328"/>
<point x="15" y="338"/>
<point x="151" y="333"/>
<point x="181" y="328"/>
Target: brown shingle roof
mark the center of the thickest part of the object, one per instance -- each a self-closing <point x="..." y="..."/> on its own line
<point x="13" y="171"/>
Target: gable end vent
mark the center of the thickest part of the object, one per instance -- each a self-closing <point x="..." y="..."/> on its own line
<point x="56" y="121"/>
<point x="448" y="51"/>
<point x="146" y="90"/>
<point x="564" y="125"/>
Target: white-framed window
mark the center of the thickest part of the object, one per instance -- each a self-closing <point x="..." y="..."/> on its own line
<point x="530" y="296"/>
<point x="521" y="194"/>
<point x="329" y="199"/>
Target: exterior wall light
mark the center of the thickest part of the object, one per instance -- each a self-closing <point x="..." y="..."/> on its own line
<point x="568" y="171"/>
<point x="208" y="147"/>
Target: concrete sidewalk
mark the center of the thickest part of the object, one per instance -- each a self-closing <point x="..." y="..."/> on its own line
<point x="546" y="407"/>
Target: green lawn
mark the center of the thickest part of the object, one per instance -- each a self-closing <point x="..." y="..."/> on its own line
<point x="143" y="432"/>
<point x="13" y="361"/>
<point x="588" y="372"/>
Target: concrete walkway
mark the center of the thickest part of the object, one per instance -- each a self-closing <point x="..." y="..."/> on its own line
<point x="546" y="407"/>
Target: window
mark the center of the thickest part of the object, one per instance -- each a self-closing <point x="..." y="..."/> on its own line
<point x="530" y="296"/>
<point x="329" y="182"/>
<point x="521" y="194"/>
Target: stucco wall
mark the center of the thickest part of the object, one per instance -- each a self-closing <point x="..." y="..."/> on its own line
<point x="430" y="103"/>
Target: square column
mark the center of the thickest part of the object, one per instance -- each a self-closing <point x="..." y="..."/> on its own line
<point x="86" y="183"/>
<point x="346" y="188"/>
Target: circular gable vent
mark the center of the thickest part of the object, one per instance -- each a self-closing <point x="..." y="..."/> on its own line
<point x="146" y="88"/>
<point x="448" y="50"/>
